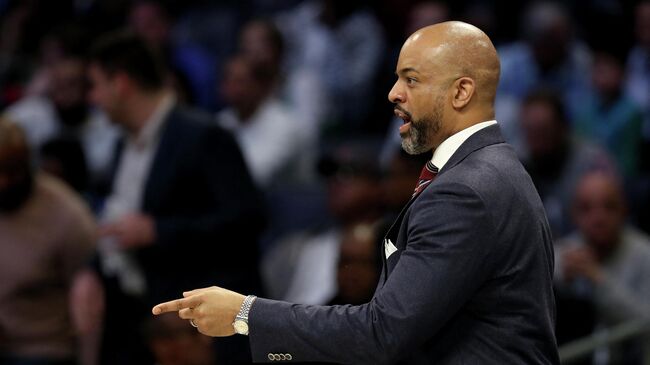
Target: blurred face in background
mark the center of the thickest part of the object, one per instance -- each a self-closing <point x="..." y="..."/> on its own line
<point x="643" y="24"/>
<point x="105" y="93"/>
<point x="607" y="75"/>
<point x="599" y="210"/>
<point x="358" y="269"/>
<point x="351" y="195"/>
<point x="548" y="28"/>
<point x="149" y="21"/>
<point x="68" y="89"/>
<point x="240" y="88"/>
<point x="257" y="44"/>
<point x="543" y="131"/>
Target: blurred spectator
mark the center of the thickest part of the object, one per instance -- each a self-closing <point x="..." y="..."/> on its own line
<point x="549" y="57"/>
<point x="343" y="43"/>
<point x="606" y="261"/>
<point x="638" y="88"/>
<point x="63" y="112"/>
<point x="302" y="266"/>
<point x="46" y="236"/>
<point x="151" y="21"/>
<point x="213" y="27"/>
<point x="299" y="87"/>
<point x="401" y="176"/>
<point x="173" y="342"/>
<point x="181" y="187"/>
<point x="607" y="116"/>
<point x="67" y="40"/>
<point x="22" y="25"/>
<point x="266" y="129"/>
<point x="638" y="64"/>
<point x="359" y="265"/>
<point x="555" y="160"/>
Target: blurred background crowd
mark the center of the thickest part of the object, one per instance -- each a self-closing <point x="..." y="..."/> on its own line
<point x="151" y="147"/>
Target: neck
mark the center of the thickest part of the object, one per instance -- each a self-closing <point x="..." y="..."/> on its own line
<point x="472" y="117"/>
<point x="141" y="107"/>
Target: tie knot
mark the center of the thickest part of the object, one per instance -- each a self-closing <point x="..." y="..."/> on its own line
<point x="429" y="172"/>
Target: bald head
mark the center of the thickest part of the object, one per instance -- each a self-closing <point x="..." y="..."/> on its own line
<point x="461" y="50"/>
<point x="447" y="81"/>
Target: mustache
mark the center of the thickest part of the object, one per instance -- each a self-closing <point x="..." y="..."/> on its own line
<point x="403" y="111"/>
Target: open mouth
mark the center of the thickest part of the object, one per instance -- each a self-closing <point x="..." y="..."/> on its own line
<point x="406" y="119"/>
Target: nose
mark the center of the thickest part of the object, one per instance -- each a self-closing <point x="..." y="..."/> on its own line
<point x="396" y="94"/>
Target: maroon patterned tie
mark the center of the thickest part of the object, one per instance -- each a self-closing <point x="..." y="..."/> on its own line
<point x="429" y="172"/>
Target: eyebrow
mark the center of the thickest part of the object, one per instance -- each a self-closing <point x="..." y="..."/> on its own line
<point x="406" y="69"/>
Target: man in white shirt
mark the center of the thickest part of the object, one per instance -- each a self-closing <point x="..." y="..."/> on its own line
<point x="605" y="263"/>
<point x="267" y="130"/>
<point x="180" y="183"/>
<point x="63" y="112"/>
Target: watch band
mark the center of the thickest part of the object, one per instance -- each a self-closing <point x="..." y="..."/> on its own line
<point x="245" y="308"/>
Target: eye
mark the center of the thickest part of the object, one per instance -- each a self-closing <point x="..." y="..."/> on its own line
<point x="410" y="81"/>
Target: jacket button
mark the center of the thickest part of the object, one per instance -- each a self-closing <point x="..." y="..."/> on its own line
<point x="270" y="357"/>
<point x="289" y="357"/>
<point x="277" y="357"/>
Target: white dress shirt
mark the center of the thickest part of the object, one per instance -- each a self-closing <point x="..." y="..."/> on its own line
<point x="271" y="141"/>
<point x="37" y="116"/>
<point x="448" y="147"/>
<point x="135" y="164"/>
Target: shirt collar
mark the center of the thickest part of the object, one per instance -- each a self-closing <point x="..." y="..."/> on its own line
<point x="443" y="153"/>
<point x="152" y="127"/>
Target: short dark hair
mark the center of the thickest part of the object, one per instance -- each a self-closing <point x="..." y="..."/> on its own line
<point x="550" y="98"/>
<point x="126" y="52"/>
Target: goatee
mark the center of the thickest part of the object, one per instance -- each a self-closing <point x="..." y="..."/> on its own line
<point x="420" y="134"/>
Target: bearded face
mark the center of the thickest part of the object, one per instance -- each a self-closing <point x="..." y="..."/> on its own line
<point x="417" y="138"/>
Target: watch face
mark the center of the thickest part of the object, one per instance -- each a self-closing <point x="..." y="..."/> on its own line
<point x="241" y="327"/>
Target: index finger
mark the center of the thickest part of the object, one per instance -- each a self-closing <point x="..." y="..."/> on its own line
<point x="176" y="305"/>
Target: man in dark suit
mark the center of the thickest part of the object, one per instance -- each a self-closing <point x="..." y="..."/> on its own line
<point x="180" y="187"/>
<point x="468" y="266"/>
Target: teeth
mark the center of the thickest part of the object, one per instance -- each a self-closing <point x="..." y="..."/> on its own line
<point x="402" y="116"/>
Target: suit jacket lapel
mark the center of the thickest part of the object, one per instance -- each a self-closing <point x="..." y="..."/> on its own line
<point x="484" y="137"/>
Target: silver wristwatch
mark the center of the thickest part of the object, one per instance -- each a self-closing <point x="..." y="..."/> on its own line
<point x="241" y="319"/>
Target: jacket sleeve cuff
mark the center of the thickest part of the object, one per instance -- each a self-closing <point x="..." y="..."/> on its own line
<point x="265" y="325"/>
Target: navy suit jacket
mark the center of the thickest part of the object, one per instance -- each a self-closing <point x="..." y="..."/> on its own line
<point x="470" y="282"/>
<point x="207" y="211"/>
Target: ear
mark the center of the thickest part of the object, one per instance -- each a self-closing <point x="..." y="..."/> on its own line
<point x="463" y="91"/>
